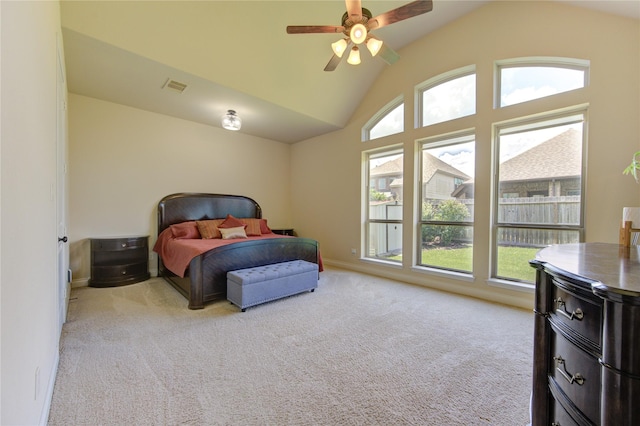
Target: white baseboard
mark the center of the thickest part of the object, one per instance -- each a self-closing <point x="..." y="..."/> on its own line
<point x="44" y="416"/>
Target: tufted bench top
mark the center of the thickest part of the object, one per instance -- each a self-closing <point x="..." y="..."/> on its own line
<point x="271" y="272"/>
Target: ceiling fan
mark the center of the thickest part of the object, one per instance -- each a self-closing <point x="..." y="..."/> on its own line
<point x="357" y="24"/>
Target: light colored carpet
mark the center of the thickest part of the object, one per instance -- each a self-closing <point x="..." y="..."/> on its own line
<point x="360" y="350"/>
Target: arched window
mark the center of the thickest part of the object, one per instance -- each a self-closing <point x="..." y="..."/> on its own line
<point x="388" y="121"/>
<point x="525" y="79"/>
<point x="446" y="97"/>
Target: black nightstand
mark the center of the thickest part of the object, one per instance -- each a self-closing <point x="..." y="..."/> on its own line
<point x="119" y="261"/>
<point x="287" y="231"/>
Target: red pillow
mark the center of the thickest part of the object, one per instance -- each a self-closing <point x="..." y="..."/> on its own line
<point x="185" y="231"/>
<point x="232" y="222"/>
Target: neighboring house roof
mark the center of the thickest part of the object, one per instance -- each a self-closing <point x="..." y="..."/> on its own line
<point x="431" y="166"/>
<point x="549" y="160"/>
<point x="393" y="167"/>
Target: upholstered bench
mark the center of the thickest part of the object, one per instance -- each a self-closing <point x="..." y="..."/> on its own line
<point x="253" y="286"/>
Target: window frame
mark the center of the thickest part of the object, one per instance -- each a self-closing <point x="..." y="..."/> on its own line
<point x="536" y="61"/>
<point x="536" y="122"/>
<point x="458" y="137"/>
<point x="367" y="156"/>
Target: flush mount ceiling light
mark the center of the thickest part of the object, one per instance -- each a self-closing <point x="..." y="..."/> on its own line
<point x="357" y="24"/>
<point x="231" y="121"/>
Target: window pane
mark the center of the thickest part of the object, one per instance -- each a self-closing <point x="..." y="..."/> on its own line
<point x="447" y="247"/>
<point x="540" y="172"/>
<point x="539" y="184"/>
<point x="390" y="124"/>
<point x="452" y="99"/>
<point x="384" y="230"/>
<point x="385" y="241"/>
<point x="521" y="84"/>
<point x="517" y="246"/>
<point x="385" y="173"/>
<point x="447" y="187"/>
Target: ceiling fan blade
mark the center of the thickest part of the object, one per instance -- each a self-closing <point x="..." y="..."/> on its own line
<point x="333" y="63"/>
<point x="388" y="55"/>
<point x="313" y="29"/>
<point x="407" y="11"/>
<point x="354" y="9"/>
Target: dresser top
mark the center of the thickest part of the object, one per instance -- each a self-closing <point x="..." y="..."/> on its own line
<point x="613" y="270"/>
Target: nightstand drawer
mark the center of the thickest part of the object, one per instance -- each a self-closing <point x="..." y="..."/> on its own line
<point x="580" y="314"/>
<point x="118" y="272"/>
<point x="116" y="244"/>
<point x="576" y="373"/>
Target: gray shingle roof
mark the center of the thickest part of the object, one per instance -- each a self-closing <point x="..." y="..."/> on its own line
<point x="559" y="157"/>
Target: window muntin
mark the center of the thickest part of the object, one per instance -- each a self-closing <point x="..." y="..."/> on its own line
<point x="388" y="121"/>
<point x="445" y="231"/>
<point x="528" y="79"/>
<point x="383" y="224"/>
<point x="539" y="171"/>
<point x="447" y="97"/>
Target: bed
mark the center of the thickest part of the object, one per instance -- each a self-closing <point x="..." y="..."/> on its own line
<point x="204" y="278"/>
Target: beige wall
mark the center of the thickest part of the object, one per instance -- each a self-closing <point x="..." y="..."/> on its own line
<point x="29" y="304"/>
<point x="122" y="161"/>
<point x="326" y="171"/>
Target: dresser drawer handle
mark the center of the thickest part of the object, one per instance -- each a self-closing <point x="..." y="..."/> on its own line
<point x="124" y="272"/>
<point x="576" y="378"/>
<point x="562" y="309"/>
<point x="124" y="245"/>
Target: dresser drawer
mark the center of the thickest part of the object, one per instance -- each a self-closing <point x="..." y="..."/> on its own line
<point x="118" y="272"/>
<point x="579" y="313"/>
<point x="576" y="373"/>
<point x="560" y="416"/>
<point x="115" y="244"/>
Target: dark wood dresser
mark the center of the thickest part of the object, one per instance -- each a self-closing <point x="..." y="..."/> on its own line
<point x="586" y="368"/>
<point x="119" y="261"/>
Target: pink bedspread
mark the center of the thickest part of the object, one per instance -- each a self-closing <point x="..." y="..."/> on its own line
<point x="176" y="254"/>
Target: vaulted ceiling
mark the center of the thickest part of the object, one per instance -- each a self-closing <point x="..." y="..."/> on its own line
<point x="237" y="55"/>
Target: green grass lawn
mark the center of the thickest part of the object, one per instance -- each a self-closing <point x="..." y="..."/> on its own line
<point x="513" y="262"/>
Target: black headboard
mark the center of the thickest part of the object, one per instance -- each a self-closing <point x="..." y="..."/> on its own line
<point x="182" y="207"/>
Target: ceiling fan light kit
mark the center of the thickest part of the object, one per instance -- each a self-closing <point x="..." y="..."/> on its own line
<point x="354" y="56"/>
<point x="357" y="24"/>
<point x="231" y="121"/>
<point x="339" y="47"/>
<point x="358" y="33"/>
<point x="374" y="45"/>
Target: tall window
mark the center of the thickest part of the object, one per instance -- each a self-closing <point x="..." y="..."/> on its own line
<point x="446" y="203"/>
<point x="448" y="96"/>
<point x="522" y="80"/>
<point x="384" y="205"/>
<point x="539" y="191"/>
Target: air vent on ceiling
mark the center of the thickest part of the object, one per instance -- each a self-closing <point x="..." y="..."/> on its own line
<point x="175" y="85"/>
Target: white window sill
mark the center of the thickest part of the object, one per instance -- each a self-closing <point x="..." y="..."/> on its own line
<point x="512" y="285"/>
